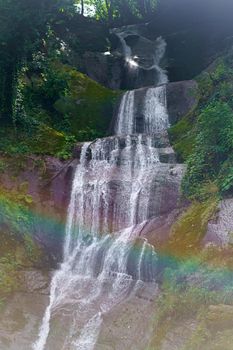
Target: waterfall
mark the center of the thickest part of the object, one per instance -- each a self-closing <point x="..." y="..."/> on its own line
<point x="114" y="193"/>
<point x="144" y="61"/>
<point x="110" y="201"/>
<point x="153" y="111"/>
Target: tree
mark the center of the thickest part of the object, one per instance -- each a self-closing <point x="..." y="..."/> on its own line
<point x="122" y="12"/>
<point x="24" y="26"/>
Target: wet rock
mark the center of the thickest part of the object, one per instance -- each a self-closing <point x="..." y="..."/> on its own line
<point x="220" y="229"/>
<point x="112" y="68"/>
<point x="181" y="99"/>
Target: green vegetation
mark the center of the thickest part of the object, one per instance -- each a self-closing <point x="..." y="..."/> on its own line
<point x="190" y="228"/>
<point x="57" y="107"/>
<point x="118" y="12"/>
<point x="46" y="105"/>
<point x="204" y="138"/>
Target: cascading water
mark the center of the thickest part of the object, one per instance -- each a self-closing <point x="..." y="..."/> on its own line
<point x="110" y="203"/>
<point x="154" y="104"/>
<point x="137" y="61"/>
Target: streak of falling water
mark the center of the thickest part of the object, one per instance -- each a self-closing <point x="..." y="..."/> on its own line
<point x="158" y="56"/>
<point x="125" y="124"/>
<point x="155" y="110"/>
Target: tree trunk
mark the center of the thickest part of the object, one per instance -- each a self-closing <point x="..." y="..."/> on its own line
<point x="82" y="7"/>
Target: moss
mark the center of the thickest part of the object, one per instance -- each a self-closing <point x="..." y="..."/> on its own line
<point x="195" y="302"/>
<point x="197" y="137"/>
<point x="86" y="104"/>
<point x="60" y="107"/>
<point x="188" y="231"/>
<point x="48" y="141"/>
<point x="182" y="138"/>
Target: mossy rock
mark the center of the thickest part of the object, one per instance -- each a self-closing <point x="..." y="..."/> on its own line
<point x="182" y="137"/>
<point x="190" y="228"/>
<point x="86" y="104"/>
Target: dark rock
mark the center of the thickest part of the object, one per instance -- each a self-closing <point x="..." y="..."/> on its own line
<point x="195" y="31"/>
<point x="105" y="68"/>
<point x="182" y="98"/>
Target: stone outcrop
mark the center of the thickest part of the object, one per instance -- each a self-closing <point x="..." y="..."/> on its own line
<point x="220" y="229"/>
<point x="48" y="181"/>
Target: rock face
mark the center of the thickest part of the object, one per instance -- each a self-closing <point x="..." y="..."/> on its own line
<point x="48" y="181"/>
<point x="34" y="281"/>
<point x="190" y="28"/>
<point x="182" y="98"/>
<point x="105" y="68"/>
<point x="220" y="229"/>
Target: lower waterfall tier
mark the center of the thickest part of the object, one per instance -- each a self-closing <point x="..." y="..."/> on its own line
<point x="126" y="181"/>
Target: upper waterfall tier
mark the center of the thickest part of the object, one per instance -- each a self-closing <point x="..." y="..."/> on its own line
<point x="142" y="57"/>
<point x="142" y="111"/>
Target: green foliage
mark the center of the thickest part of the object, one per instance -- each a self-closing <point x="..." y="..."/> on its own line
<point x="87" y="105"/>
<point x="206" y="85"/>
<point x="8" y="274"/>
<point x="42" y="141"/>
<point x="119" y="12"/>
<point x="213" y="145"/>
<point x="24" y="27"/>
<point x="182" y="136"/>
<point x="225" y="178"/>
